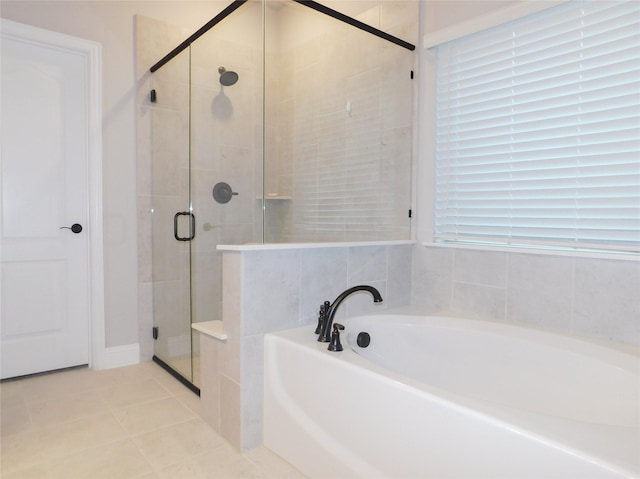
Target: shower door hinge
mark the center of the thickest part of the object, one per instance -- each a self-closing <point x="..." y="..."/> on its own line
<point x="410" y="213"/>
<point x="412" y="74"/>
<point x="154" y="331"/>
<point x="153" y="97"/>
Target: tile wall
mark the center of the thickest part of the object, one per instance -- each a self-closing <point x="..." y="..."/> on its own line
<point x="341" y="113"/>
<point x="592" y="297"/>
<point x="271" y="290"/>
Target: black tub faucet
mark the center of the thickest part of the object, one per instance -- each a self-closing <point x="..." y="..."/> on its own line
<point x="329" y="314"/>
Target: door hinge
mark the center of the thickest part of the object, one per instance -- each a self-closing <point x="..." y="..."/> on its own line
<point x="410" y="213"/>
<point x="412" y="74"/>
<point x="153" y="96"/>
<point x="154" y="332"/>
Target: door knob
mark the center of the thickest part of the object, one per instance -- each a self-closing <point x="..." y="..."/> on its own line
<point x="76" y="228"/>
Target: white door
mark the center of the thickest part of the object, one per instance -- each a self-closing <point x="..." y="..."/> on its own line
<point x="45" y="276"/>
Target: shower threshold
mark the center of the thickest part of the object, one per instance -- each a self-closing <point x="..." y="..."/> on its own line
<point x="188" y="384"/>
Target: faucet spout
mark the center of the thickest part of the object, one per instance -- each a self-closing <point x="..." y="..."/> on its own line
<point x="325" y="334"/>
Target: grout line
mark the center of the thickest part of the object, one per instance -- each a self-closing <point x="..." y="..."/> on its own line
<point x="573" y="296"/>
<point x="453" y="280"/>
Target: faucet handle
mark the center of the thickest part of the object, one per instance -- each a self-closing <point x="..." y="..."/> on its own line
<point x="335" y="344"/>
<point x="322" y="316"/>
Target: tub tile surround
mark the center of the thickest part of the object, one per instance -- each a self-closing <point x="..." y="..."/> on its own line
<point x="275" y="289"/>
<point x="615" y="314"/>
<point x="272" y="289"/>
<point x="591" y="297"/>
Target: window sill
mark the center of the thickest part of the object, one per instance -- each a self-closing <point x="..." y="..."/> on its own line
<point x="621" y="256"/>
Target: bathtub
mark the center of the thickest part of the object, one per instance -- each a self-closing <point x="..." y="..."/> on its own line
<point x="443" y="397"/>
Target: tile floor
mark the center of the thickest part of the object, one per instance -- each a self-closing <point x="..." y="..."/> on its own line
<point x="131" y="422"/>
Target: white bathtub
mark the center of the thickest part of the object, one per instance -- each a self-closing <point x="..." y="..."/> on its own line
<point x="442" y="397"/>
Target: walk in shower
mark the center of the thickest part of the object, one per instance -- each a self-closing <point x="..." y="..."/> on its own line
<point x="280" y="121"/>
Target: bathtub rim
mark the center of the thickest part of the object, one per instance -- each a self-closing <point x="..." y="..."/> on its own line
<point x="412" y="310"/>
<point x="624" y="356"/>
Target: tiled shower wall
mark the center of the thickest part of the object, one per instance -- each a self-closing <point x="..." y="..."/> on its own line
<point x="340" y="119"/>
<point x="584" y="296"/>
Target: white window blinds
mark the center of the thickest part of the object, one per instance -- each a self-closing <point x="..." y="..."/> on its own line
<point x="538" y="130"/>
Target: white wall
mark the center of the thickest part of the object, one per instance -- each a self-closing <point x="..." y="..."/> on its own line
<point x="112" y="24"/>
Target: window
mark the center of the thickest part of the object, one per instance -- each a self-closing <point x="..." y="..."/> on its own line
<point x="538" y="131"/>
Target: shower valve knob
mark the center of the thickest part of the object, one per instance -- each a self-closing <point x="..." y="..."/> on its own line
<point x="222" y="192"/>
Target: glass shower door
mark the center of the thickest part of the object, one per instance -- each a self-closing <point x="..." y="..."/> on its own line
<point x="172" y="220"/>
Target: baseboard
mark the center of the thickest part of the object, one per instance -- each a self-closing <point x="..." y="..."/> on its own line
<point x="119" y="356"/>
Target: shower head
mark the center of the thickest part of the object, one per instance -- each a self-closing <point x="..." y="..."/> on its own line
<point x="227" y="78"/>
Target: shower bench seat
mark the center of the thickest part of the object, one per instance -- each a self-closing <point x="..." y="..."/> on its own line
<point x="215" y="329"/>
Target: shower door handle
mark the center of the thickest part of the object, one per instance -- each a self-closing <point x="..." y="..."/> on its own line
<point x="192" y="230"/>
